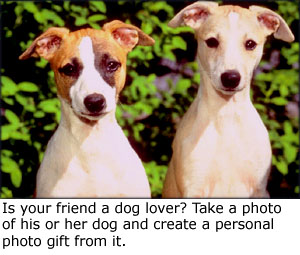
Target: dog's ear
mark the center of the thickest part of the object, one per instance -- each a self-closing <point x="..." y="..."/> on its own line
<point x="128" y="36"/>
<point x="193" y="15"/>
<point x="46" y="44"/>
<point x="273" y="23"/>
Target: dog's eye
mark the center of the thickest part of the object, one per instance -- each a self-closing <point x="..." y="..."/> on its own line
<point x="68" y="69"/>
<point x="112" y="66"/>
<point x="212" y="42"/>
<point x="250" y="45"/>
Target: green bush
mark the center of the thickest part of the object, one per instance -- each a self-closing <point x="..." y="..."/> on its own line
<point x="161" y="83"/>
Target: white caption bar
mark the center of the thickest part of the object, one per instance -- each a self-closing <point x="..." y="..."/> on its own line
<point x="143" y="226"/>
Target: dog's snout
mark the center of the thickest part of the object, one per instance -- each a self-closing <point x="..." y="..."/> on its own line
<point x="230" y="79"/>
<point x="95" y="103"/>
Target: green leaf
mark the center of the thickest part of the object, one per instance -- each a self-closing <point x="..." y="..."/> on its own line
<point x="57" y="8"/>
<point x="26" y="102"/>
<point x="96" y="18"/>
<point x="30" y="7"/>
<point x="17" y="135"/>
<point x="260" y="107"/>
<point x="284" y="91"/>
<point x="9" y="101"/>
<point x="99" y="5"/>
<point x="80" y="21"/>
<point x="147" y="27"/>
<point x="27" y="86"/>
<point x="160" y="5"/>
<point x="67" y="5"/>
<point x="264" y="77"/>
<point x="6" y="193"/>
<point x="41" y="63"/>
<point x="179" y="30"/>
<point x="39" y="114"/>
<point x="167" y="52"/>
<point x="8" y="86"/>
<point x="170" y="55"/>
<point x="16" y="178"/>
<point x="279" y="101"/>
<point x="76" y="8"/>
<point x="40" y="18"/>
<point x="49" y="105"/>
<point x="143" y="108"/>
<point x="12" y="117"/>
<point x="18" y="10"/>
<point x="6" y="131"/>
<point x="94" y="25"/>
<point x="287" y="127"/>
<point x="182" y="86"/>
<point x="9" y="165"/>
<point x="6" y="153"/>
<point x="178" y="42"/>
<point x="282" y="167"/>
<point x="51" y="15"/>
<point x="197" y="78"/>
<point x="50" y="127"/>
<point x="290" y="152"/>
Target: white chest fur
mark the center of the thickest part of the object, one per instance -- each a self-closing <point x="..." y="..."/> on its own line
<point x="93" y="161"/>
<point x="225" y="153"/>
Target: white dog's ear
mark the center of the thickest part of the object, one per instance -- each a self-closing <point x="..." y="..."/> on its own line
<point x="193" y="15"/>
<point x="273" y="23"/>
<point x="46" y="44"/>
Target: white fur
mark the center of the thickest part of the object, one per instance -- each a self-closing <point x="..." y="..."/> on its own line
<point x="221" y="147"/>
<point x="85" y="161"/>
<point x="90" y="81"/>
<point x="233" y="19"/>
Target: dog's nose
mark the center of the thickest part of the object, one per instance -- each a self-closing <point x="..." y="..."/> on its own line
<point x="230" y="79"/>
<point x="95" y="103"/>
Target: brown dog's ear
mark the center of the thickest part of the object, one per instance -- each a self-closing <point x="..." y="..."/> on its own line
<point x="273" y="23"/>
<point x="46" y="44"/>
<point x="193" y="15"/>
<point x="128" y="36"/>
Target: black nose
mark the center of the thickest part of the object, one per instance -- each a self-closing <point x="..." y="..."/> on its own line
<point x="230" y="79"/>
<point x="95" y="103"/>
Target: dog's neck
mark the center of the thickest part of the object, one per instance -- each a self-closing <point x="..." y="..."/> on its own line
<point x="81" y="128"/>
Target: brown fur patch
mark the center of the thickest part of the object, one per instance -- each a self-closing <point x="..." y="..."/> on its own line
<point x="69" y="49"/>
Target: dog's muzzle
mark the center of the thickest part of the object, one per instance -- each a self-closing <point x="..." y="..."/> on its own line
<point x="230" y="79"/>
<point x="95" y="104"/>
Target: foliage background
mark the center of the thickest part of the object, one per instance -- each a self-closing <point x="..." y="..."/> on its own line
<point x="161" y="83"/>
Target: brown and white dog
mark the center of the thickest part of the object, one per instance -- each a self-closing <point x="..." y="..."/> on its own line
<point x="222" y="148"/>
<point x="89" y="155"/>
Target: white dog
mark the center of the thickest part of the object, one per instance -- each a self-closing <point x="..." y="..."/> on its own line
<point x="222" y="148"/>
